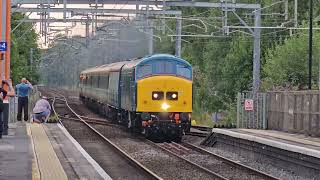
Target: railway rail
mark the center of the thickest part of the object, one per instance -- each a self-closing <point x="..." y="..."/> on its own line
<point x="199" y="159"/>
<point x="222" y="167"/>
<point x="165" y="165"/>
<point x="130" y="168"/>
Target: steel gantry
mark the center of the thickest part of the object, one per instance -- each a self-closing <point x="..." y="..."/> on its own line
<point x="45" y="7"/>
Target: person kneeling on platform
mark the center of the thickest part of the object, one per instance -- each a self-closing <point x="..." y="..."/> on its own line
<point x="41" y="110"/>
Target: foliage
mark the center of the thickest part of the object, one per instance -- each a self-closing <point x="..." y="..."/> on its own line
<point x="223" y="66"/>
<point x="23" y="39"/>
<point x="287" y="63"/>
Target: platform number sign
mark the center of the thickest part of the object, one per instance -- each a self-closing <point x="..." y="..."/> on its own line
<point x="248" y="105"/>
<point x="3" y="46"/>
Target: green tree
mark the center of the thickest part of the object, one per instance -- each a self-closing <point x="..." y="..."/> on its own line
<point x="288" y="62"/>
<point x="23" y="39"/>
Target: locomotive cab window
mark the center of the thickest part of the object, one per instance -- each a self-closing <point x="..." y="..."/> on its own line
<point x="164" y="67"/>
<point x="144" y="70"/>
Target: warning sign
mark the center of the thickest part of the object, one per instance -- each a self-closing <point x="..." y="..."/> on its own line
<point x="248" y="105"/>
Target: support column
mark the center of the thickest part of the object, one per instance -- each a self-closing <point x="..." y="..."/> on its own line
<point x="150" y="38"/>
<point x="178" y="38"/>
<point x="87" y="32"/>
<point x="31" y="58"/>
<point x="64" y="11"/>
<point x="256" y="52"/>
<point x="295" y="13"/>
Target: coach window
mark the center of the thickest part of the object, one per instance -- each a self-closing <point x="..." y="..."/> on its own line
<point x="184" y="71"/>
<point x="144" y="70"/>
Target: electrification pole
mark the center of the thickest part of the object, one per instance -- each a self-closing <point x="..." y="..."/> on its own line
<point x="310" y="42"/>
<point x="178" y="38"/>
<point x="256" y="52"/>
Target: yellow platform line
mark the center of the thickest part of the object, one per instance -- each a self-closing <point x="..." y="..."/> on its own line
<point x="35" y="167"/>
<point x="48" y="163"/>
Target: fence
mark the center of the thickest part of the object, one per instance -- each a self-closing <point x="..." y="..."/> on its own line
<point x="251" y="110"/>
<point x="297" y="112"/>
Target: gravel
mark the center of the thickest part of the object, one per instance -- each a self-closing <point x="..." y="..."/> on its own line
<point x="264" y="165"/>
<point x="163" y="164"/>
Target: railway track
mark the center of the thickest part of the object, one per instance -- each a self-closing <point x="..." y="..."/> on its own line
<point x="213" y="163"/>
<point x="198" y="134"/>
<point x="202" y="161"/>
<point x="165" y="165"/>
<point x="117" y="163"/>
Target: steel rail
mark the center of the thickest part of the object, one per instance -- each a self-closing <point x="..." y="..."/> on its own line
<point x="114" y="146"/>
<point x="198" y="134"/>
<point x="187" y="161"/>
<point x="202" y="128"/>
<point x="229" y="161"/>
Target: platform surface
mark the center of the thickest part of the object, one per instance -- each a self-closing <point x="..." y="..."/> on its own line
<point x="16" y="154"/>
<point x="46" y="152"/>
<point x="48" y="163"/>
<point x="72" y="156"/>
<point x="292" y="142"/>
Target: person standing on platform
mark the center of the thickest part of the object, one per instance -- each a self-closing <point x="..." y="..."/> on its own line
<point x="3" y="94"/>
<point x="23" y="90"/>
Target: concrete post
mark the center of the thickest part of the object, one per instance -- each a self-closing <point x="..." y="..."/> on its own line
<point x="256" y="52"/>
<point x="178" y="38"/>
<point x="150" y="43"/>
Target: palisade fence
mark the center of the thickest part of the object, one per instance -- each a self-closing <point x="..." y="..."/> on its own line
<point x="294" y="111"/>
<point x="252" y="115"/>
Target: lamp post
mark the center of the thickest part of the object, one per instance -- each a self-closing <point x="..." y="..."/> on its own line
<point x="310" y="42"/>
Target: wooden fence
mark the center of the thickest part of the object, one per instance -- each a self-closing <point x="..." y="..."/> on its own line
<point x="296" y="112"/>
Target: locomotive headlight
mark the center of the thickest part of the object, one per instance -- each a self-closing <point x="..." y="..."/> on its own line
<point x="165" y="106"/>
<point x="155" y="95"/>
<point x="173" y="95"/>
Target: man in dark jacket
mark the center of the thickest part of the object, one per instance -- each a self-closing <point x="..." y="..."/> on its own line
<point x="3" y="94"/>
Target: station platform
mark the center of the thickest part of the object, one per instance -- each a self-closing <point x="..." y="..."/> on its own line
<point x="298" y="143"/>
<point x="46" y="152"/>
<point x="295" y="154"/>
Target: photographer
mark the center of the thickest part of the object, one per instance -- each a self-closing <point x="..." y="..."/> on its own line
<point x="23" y="90"/>
<point x="41" y="110"/>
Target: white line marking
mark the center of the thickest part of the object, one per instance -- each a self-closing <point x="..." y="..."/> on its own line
<point x="95" y="165"/>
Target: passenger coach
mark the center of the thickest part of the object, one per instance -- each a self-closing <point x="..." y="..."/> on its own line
<point x="151" y="94"/>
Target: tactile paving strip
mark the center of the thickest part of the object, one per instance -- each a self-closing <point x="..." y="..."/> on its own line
<point x="48" y="162"/>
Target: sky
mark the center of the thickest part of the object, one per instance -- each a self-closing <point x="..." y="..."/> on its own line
<point x="78" y="29"/>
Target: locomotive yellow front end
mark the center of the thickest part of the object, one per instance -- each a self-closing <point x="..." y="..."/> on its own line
<point x="164" y="97"/>
<point x="164" y="94"/>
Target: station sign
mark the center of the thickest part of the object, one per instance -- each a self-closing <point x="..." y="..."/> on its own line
<point x="248" y="105"/>
<point x="3" y="46"/>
